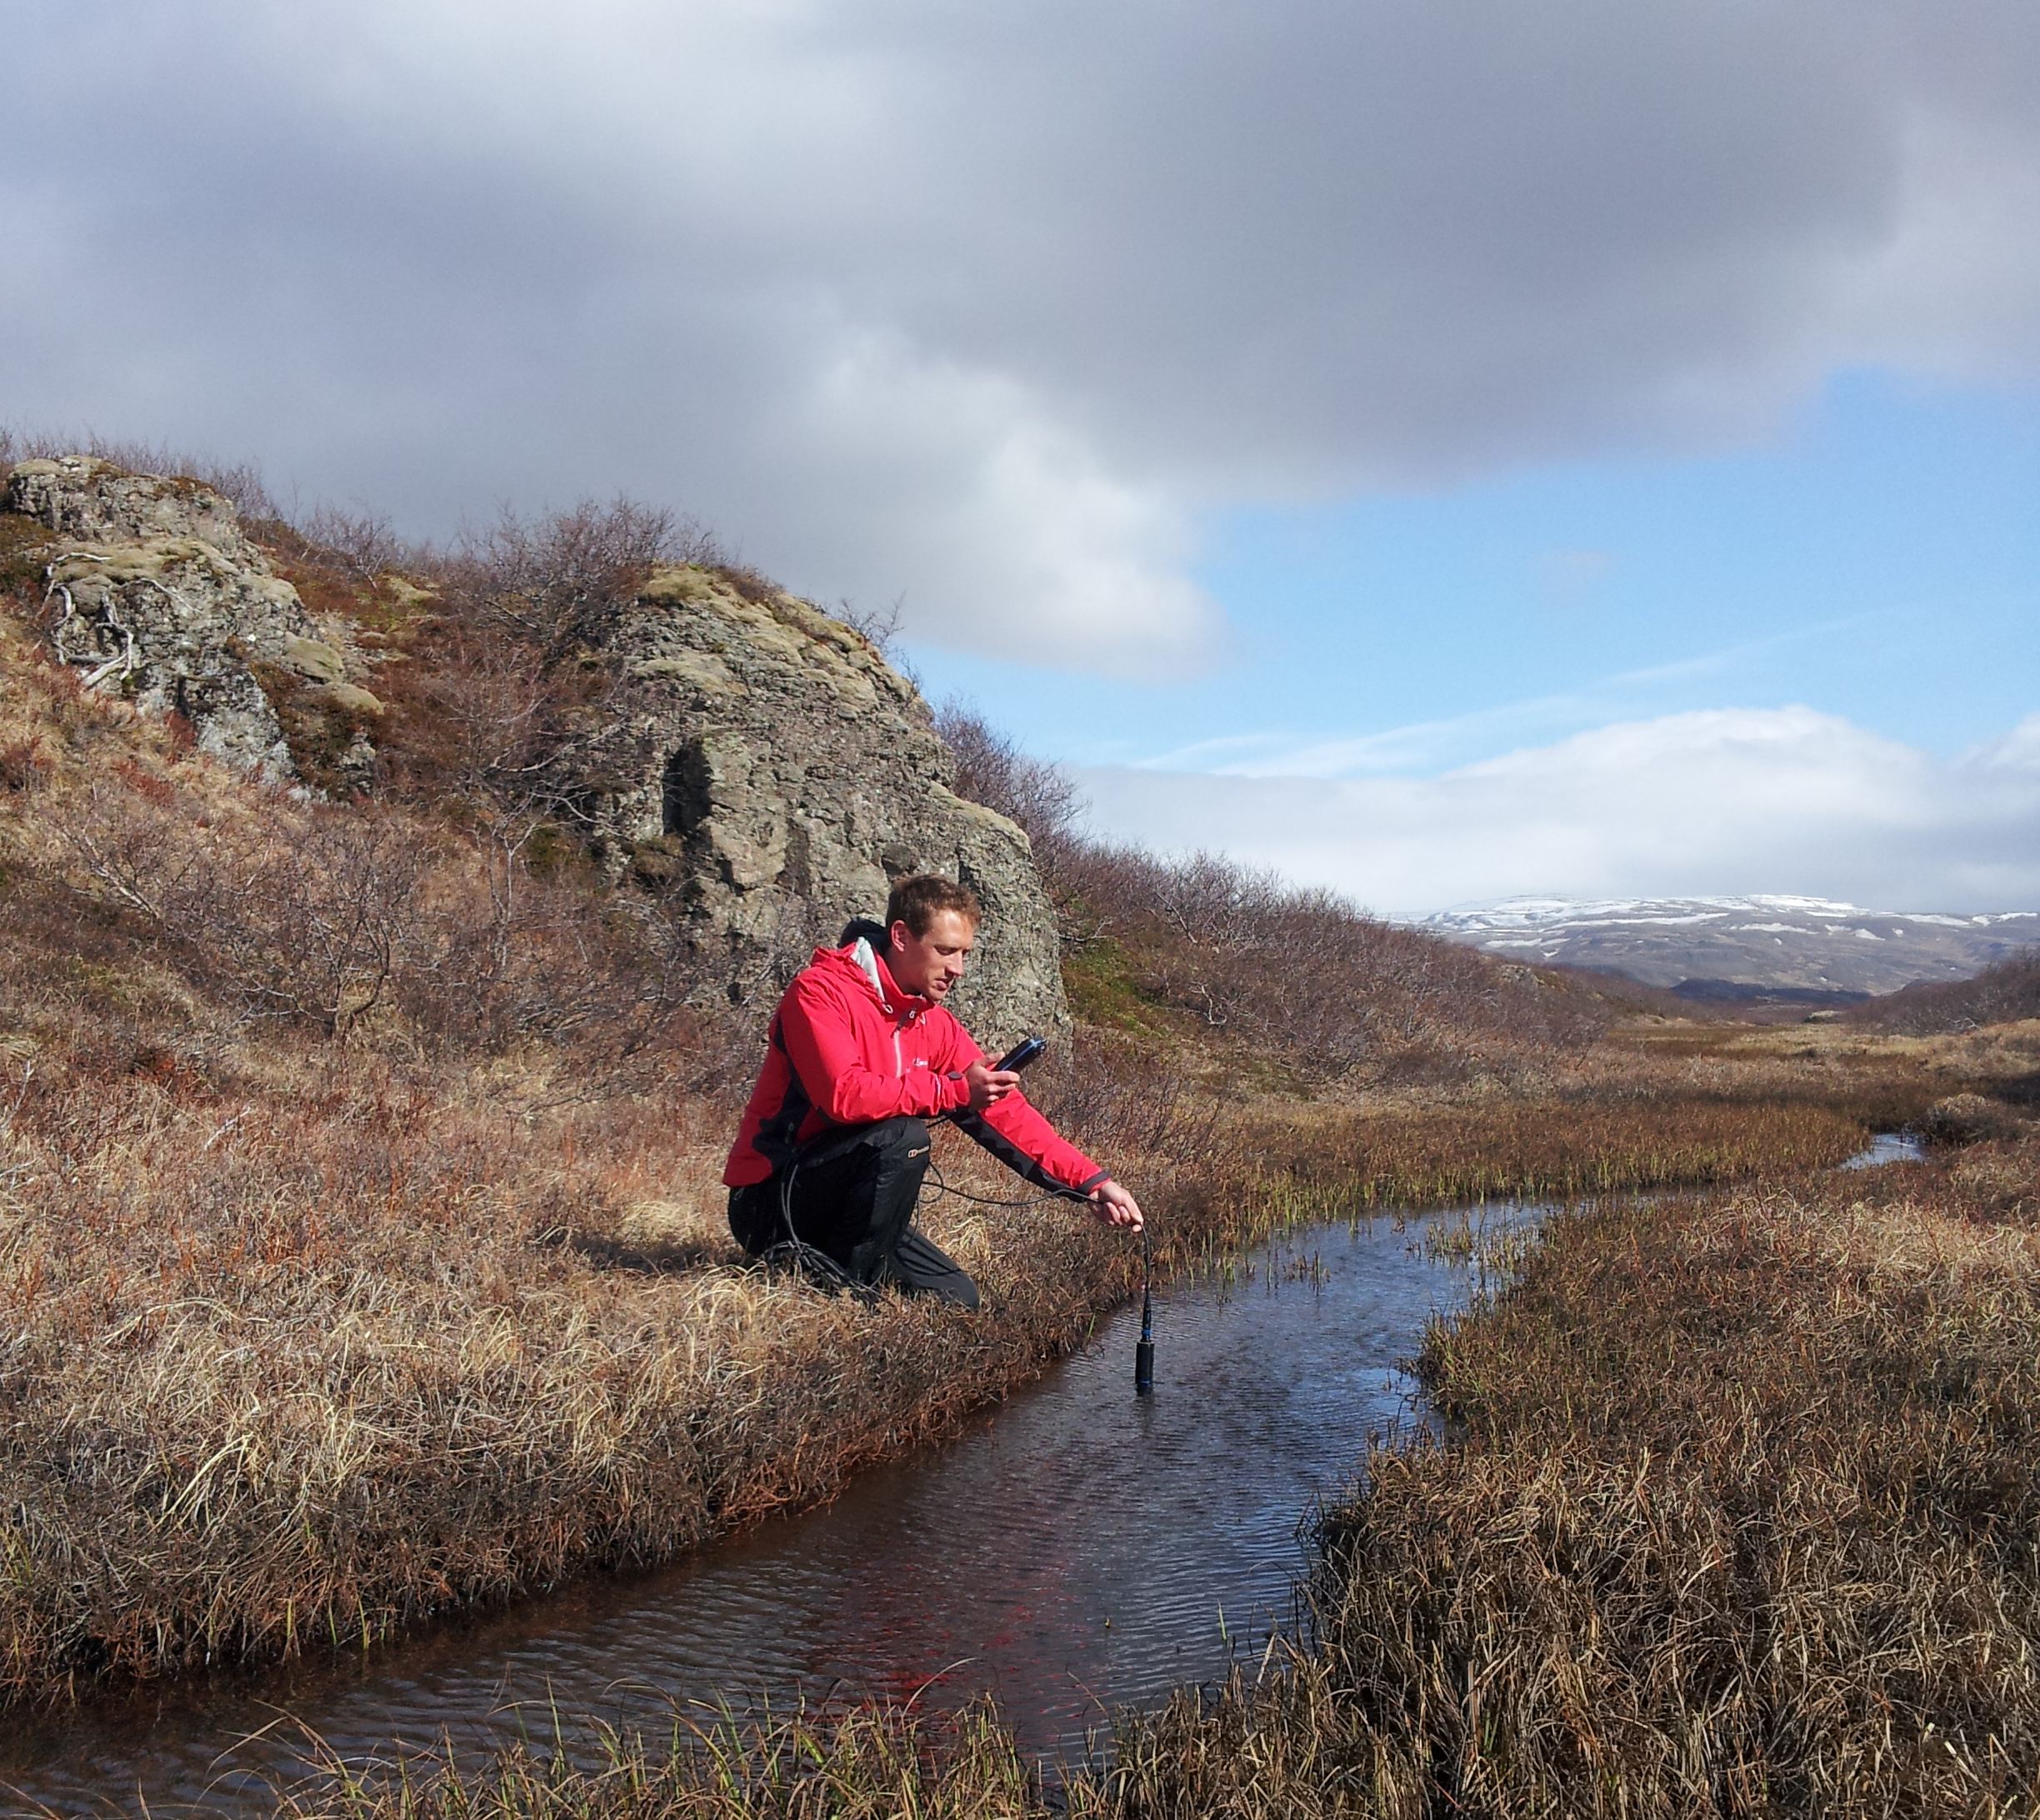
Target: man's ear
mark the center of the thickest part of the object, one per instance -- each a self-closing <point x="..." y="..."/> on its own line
<point x="898" y="935"/>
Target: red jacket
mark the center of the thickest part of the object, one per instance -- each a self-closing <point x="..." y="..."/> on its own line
<point x="849" y="1047"/>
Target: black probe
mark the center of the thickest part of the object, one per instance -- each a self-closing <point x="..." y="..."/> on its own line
<point x="1029" y="1049"/>
<point x="1143" y="1354"/>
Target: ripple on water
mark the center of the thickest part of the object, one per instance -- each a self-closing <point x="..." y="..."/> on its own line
<point x="1077" y="1549"/>
<point x="1888" y="1146"/>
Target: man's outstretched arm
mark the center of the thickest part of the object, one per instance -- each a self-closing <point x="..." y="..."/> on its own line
<point x="1014" y="1132"/>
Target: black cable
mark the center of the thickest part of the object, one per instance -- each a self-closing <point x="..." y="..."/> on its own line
<point x="941" y="1187"/>
<point x="797" y="1254"/>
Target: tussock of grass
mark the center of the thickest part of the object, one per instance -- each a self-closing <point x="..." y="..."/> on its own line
<point x="1739" y="1517"/>
<point x="874" y="1764"/>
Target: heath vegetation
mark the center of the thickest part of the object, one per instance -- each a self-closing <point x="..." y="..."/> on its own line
<point x="361" y="1247"/>
<point x="362" y="1258"/>
<point x="1737" y="1516"/>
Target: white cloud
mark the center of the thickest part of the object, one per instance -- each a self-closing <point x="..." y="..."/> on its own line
<point x="1735" y="800"/>
<point x="981" y="306"/>
<point x="1038" y="545"/>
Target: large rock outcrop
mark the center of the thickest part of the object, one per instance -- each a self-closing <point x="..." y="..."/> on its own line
<point x="760" y="762"/>
<point x="772" y="769"/>
<point x="154" y="593"/>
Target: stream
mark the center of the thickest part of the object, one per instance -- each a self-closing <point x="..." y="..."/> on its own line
<point x="1076" y="1548"/>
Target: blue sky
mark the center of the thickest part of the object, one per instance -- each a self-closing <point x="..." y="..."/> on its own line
<point x="1876" y="557"/>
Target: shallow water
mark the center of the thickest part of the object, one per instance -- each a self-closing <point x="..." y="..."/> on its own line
<point x="1888" y="1146"/>
<point x="1076" y="1549"/>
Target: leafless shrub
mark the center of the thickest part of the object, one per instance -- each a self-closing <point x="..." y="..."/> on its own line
<point x="303" y="918"/>
<point x="497" y="714"/>
<point x="553" y="583"/>
<point x="1299" y="975"/>
<point x="2002" y="993"/>
<point x="325" y="918"/>
<point x="1117" y="1102"/>
<point x="361" y="542"/>
<point x="880" y="625"/>
<point x="992" y="769"/>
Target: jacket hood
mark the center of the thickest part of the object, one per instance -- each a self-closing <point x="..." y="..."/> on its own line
<point x="863" y="943"/>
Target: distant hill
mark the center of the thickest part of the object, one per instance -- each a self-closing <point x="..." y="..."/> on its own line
<point x="1809" y="945"/>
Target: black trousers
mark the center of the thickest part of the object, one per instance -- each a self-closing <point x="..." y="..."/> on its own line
<point x="852" y="1195"/>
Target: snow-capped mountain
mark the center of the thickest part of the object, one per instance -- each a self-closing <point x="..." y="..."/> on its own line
<point x="1805" y="942"/>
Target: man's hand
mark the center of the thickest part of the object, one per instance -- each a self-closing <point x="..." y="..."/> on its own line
<point x="988" y="1086"/>
<point x="1113" y="1205"/>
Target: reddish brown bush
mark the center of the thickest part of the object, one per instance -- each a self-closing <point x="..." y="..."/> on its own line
<point x="2002" y="993"/>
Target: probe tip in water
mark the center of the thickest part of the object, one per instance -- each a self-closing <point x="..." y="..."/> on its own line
<point x="1144" y="1352"/>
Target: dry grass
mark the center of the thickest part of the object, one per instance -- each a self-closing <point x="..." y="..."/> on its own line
<point x="361" y="1248"/>
<point x="1549" y="1147"/>
<point x="867" y="1765"/>
<point x="293" y="1362"/>
<point x="1740" y="1516"/>
<point x="300" y="1356"/>
<point x="352" y="1269"/>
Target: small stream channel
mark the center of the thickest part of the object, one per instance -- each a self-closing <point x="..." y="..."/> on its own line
<point x="1074" y="1550"/>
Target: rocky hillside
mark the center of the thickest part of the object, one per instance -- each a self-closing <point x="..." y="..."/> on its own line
<point x="671" y="761"/>
<point x="153" y="594"/>
<point x="1807" y="944"/>
<point x="699" y="734"/>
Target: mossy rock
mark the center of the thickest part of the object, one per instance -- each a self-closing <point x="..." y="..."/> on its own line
<point x="314" y="659"/>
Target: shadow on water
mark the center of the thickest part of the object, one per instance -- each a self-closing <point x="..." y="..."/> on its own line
<point x="1076" y="1549"/>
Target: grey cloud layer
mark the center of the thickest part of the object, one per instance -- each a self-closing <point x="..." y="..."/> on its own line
<point x="979" y="306"/>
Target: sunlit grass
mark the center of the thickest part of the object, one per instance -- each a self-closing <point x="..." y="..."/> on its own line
<point x="1739" y="1517"/>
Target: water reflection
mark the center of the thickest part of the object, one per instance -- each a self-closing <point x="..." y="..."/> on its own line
<point x="1076" y="1549"/>
<point x="1888" y="1146"/>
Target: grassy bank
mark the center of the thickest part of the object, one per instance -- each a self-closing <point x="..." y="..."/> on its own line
<point x="1548" y="1148"/>
<point x="299" y="1355"/>
<point x="362" y="1256"/>
<point x="1741" y="1515"/>
<point x="1742" y="1519"/>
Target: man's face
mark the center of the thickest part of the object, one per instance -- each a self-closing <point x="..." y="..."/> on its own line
<point x="931" y="964"/>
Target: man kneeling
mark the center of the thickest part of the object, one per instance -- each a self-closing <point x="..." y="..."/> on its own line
<point x="835" y="1140"/>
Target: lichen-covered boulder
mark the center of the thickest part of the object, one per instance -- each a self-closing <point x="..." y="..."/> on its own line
<point x="767" y="766"/>
<point x="154" y="593"/>
<point x="85" y="500"/>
